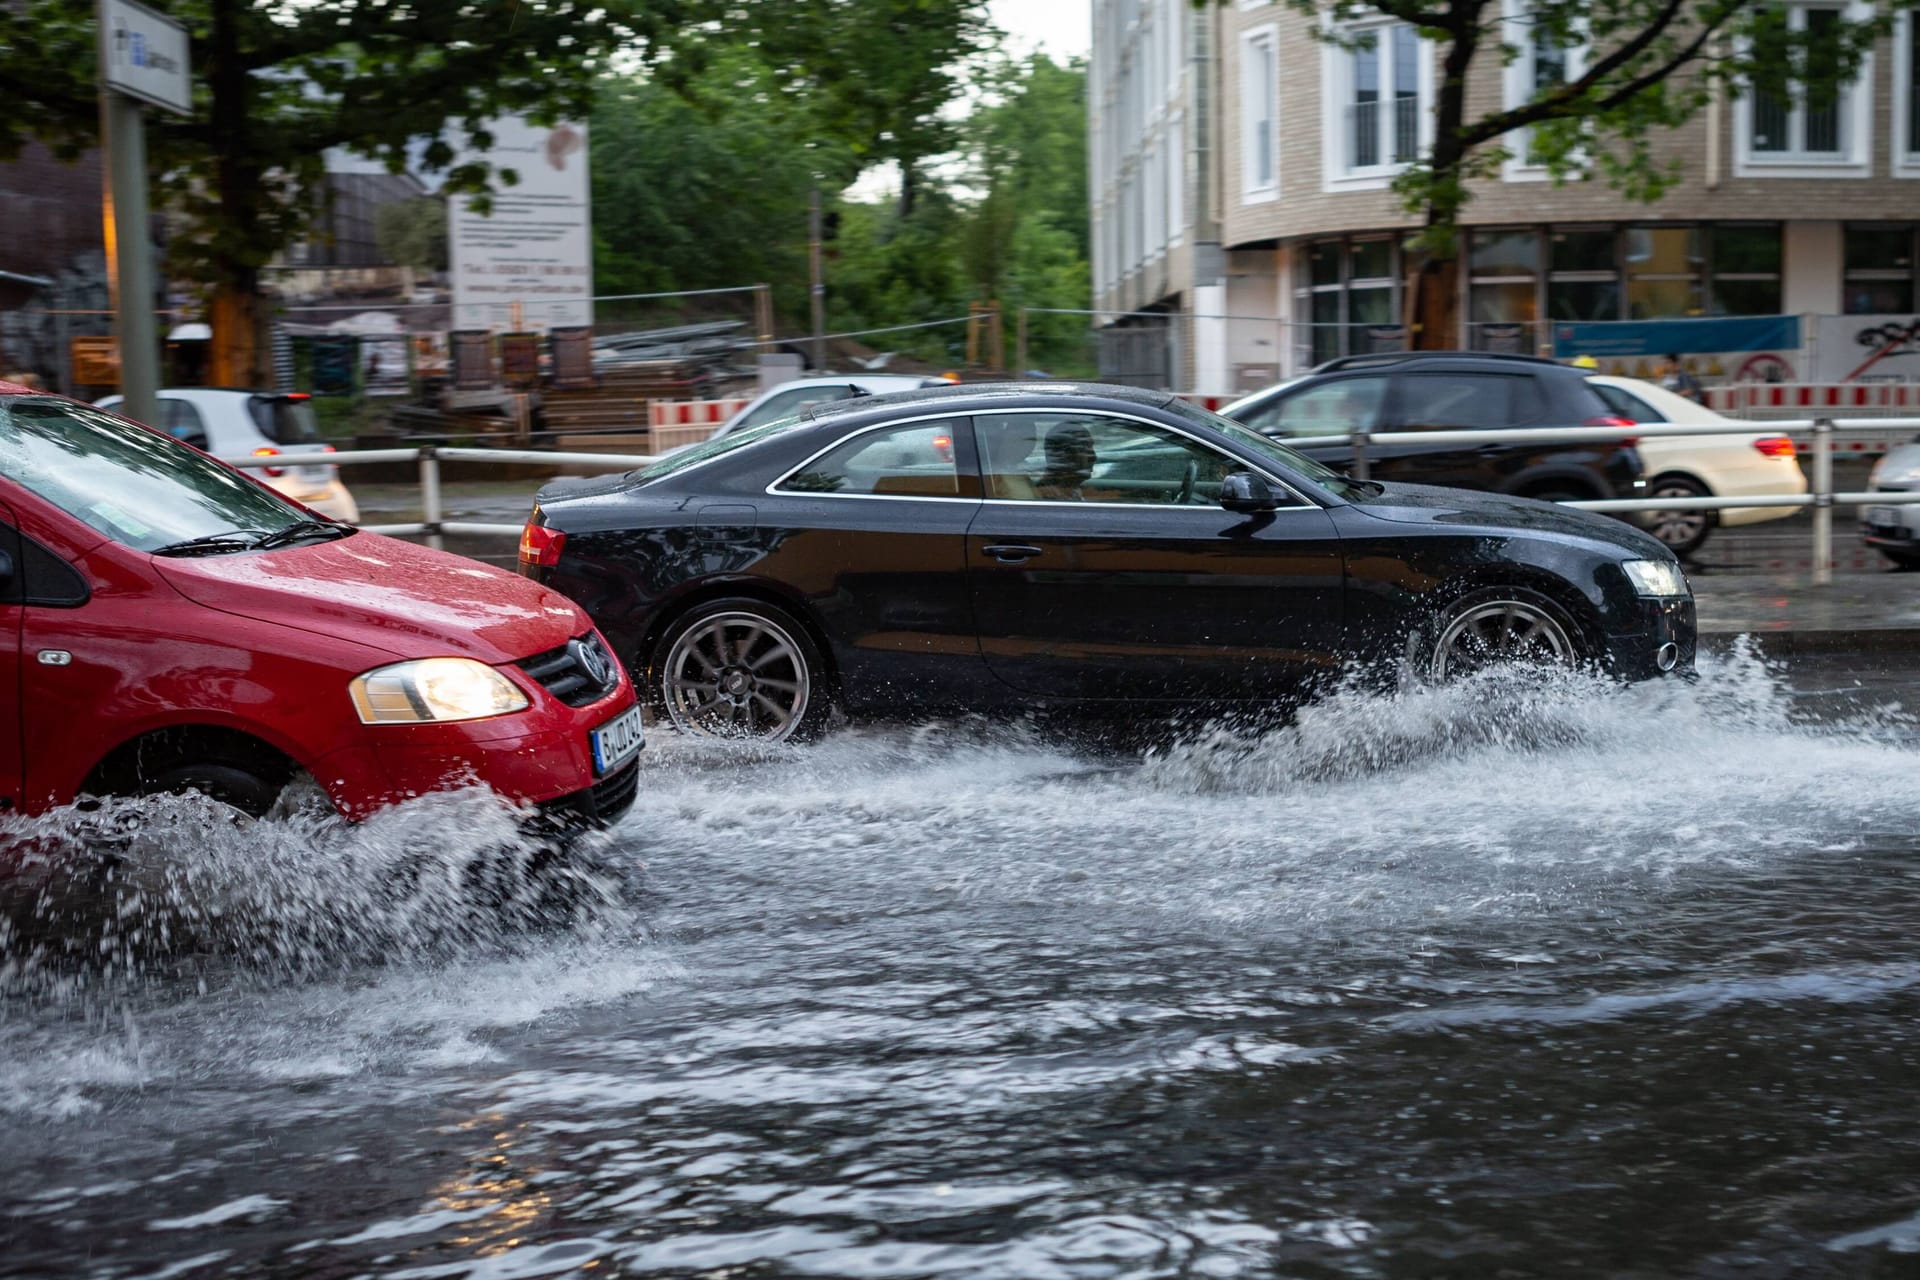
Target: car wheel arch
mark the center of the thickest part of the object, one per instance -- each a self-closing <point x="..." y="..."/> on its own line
<point x="145" y="755"/>
<point x="675" y="608"/>
<point x="1542" y="582"/>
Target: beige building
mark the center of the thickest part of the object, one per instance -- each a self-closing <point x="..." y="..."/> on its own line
<point x="1784" y="207"/>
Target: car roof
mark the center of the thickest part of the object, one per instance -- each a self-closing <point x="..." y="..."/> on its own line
<point x="988" y="395"/>
<point x="1506" y="362"/>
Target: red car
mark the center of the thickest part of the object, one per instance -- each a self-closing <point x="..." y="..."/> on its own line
<point x="167" y="623"/>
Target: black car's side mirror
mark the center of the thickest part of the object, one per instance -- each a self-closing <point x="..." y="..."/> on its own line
<point x="1247" y="493"/>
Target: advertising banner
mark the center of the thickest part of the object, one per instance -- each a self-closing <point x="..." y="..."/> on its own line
<point x="1866" y="349"/>
<point x="1603" y="339"/>
<point x="527" y="262"/>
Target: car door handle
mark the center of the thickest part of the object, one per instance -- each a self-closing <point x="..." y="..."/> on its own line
<point x="1010" y="552"/>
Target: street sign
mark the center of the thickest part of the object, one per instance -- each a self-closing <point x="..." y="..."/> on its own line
<point x="143" y="54"/>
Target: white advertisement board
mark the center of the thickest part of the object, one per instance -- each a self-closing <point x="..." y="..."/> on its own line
<point x="143" y="54"/>
<point x="534" y="248"/>
<point x="1867" y="348"/>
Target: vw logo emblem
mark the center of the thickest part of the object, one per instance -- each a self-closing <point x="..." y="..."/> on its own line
<point x="592" y="659"/>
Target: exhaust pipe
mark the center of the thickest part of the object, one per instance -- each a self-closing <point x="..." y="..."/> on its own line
<point x="1667" y="656"/>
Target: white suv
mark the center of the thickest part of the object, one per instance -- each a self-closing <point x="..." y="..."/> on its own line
<point x="260" y="424"/>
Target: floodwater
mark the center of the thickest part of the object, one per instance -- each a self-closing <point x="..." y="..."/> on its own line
<point x="1505" y="979"/>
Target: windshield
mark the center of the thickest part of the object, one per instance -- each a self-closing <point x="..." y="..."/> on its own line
<point x="133" y="485"/>
<point x="712" y="448"/>
<point x="1299" y="463"/>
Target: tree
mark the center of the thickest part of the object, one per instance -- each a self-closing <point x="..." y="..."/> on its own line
<point x="1648" y="66"/>
<point x="413" y="233"/>
<point x="278" y="84"/>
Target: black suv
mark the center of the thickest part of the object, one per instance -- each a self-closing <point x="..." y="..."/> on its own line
<point x="1453" y="391"/>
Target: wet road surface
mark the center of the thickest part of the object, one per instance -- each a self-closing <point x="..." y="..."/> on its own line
<point x="1496" y="980"/>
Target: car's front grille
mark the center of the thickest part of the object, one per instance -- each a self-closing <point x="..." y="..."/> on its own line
<point x="578" y="672"/>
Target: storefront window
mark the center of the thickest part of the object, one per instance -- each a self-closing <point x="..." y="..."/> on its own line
<point x="1663" y="272"/>
<point x="1347" y="290"/>
<point x="1880" y="260"/>
<point x="1503" y="290"/>
<point x="1746" y="269"/>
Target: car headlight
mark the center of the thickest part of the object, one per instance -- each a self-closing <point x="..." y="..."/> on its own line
<point x="1656" y="577"/>
<point x="434" y="689"/>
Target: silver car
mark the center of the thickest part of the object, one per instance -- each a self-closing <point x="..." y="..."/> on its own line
<point x="1895" y="530"/>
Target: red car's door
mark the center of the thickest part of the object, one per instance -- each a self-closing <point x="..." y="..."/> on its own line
<point x="12" y="588"/>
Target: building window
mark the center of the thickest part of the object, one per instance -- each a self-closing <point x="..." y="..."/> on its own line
<point x="1746" y="269"/>
<point x="1789" y="130"/>
<point x="1376" y="92"/>
<point x="1664" y="272"/>
<point x="1503" y="289"/>
<point x="1383" y="109"/>
<point x="1259" y="94"/>
<point x="1583" y="274"/>
<point x="1880" y="260"/>
<point x="1348" y="293"/>
<point x="1543" y="62"/>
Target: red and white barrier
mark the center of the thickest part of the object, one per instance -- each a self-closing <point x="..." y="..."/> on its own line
<point x="1814" y="397"/>
<point x="692" y="413"/>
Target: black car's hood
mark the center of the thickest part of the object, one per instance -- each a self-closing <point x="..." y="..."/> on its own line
<point x="1430" y="504"/>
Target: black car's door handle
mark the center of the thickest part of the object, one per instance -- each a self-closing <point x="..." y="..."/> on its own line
<point x="1010" y="552"/>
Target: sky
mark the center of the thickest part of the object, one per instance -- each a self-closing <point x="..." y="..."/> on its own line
<point x="1062" y="27"/>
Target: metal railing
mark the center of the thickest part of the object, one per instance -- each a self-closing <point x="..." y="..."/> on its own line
<point x="1820" y="494"/>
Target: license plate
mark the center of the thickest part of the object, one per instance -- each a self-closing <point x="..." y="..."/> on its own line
<point x="316" y="474"/>
<point x="617" y="741"/>
<point x="1888" y="516"/>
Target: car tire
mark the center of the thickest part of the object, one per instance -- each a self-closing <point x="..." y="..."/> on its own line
<point x="228" y="783"/>
<point x="1499" y="626"/>
<point x="1682" y="532"/>
<point x="1901" y="560"/>
<point x="741" y="669"/>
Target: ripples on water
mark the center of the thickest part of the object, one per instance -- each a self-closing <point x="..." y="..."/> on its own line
<point x="1550" y="977"/>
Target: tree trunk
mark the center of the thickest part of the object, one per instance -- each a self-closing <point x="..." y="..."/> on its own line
<point x="240" y="355"/>
<point x="1433" y="307"/>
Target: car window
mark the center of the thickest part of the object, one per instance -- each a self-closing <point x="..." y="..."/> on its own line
<point x="287" y="419"/>
<point x="1335" y="408"/>
<point x="712" y="447"/>
<point x="1626" y="404"/>
<point x="179" y="419"/>
<point x="792" y="400"/>
<point x="1444" y="401"/>
<point x="1272" y="450"/>
<point x="911" y="461"/>
<point x="132" y="485"/>
<point x="1090" y="457"/>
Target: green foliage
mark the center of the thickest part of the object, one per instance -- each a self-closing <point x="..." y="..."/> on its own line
<point x="1651" y="65"/>
<point x="413" y="233"/>
<point x="278" y="84"/>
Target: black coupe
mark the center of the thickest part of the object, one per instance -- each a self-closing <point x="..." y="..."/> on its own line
<point x="1021" y="546"/>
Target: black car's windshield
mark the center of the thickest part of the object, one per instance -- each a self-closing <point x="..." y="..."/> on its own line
<point x="133" y="485"/>
<point x="712" y="448"/>
<point x="1299" y="463"/>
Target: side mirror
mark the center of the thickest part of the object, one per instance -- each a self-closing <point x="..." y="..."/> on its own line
<point x="1247" y="493"/>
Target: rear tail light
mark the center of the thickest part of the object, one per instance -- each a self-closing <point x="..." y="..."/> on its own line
<point x="268" y="451"/>
<point x="540" y="545"/>
<point x="1609" y="420"/>
<point x="1775" y="447"/>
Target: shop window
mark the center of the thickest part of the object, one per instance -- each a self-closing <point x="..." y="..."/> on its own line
<point x="1663" y="272"/>
<point x="1880" y="260"/>
<point x="1746" y="269"/>
<point x="1503" y="289"/>
<point x="1345" y="290"/>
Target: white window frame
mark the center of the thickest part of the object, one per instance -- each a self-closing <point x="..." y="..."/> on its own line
<point x="1517" y="86"/>
<point x="1906" y="147"/>
<point x="1255" y="43"/>
<point x="1336" y="93"/>
<point x="1855" y="160"/>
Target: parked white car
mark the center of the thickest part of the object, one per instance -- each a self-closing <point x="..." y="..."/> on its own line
<point x="1894" y="531"/>
<point x="1731" y="466"/>
<point x="263" y="424"/>
<point x="803" y="393"/>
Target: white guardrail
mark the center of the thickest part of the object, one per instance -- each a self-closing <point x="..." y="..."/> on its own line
<point x="1820" y="496"/>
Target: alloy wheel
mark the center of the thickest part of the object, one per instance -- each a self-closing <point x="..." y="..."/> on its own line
<point x="737" y="675"/>
<point x="1679" y="530"/>
<point x="1501" y="633"/>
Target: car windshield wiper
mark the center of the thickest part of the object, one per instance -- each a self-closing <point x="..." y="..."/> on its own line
<point x="215" y="544"/>
<point x="301" y="530"/>
<point x="1372" y="487"/>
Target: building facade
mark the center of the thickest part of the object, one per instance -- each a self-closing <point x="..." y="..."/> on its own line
<point x="1783" y="207"/>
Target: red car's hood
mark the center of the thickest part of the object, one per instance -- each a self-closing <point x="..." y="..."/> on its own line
<point x="411" y="601"/>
